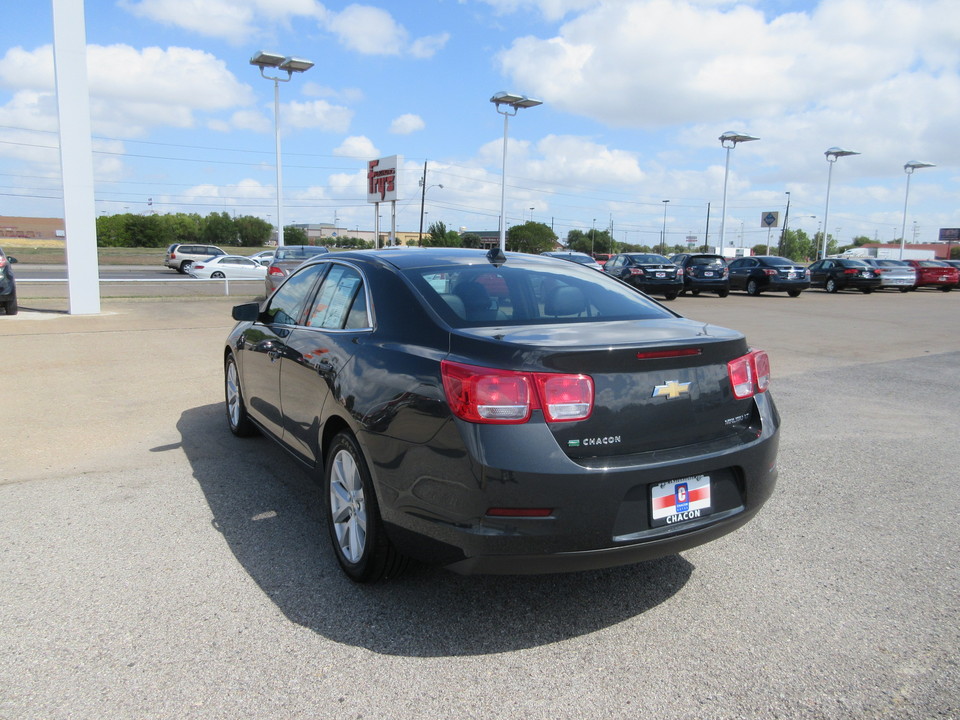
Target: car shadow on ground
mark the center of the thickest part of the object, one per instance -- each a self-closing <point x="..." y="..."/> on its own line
<point x="268" y="510"/>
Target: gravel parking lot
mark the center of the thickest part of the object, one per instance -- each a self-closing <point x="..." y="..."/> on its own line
<point x="153" y="566"/>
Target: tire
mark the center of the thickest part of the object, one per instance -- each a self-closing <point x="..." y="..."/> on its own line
<point x="185" y="266"/>
<point x="240" y="423"/>
<point x="831" y="286"/>
<point x="722" y="293"/>
<point x="905" y="289"/>
<point x="946" y="288"/>
<point x="794" y="293"/>
<point x="670" y="296"/>
<point x="866" y="291"/>
<point x="10" y="306"/>
<point x="217" y="275"/>
<point x="752" y="287"/>
<point x="359" y="541"/>
<point x="694" y="292"/>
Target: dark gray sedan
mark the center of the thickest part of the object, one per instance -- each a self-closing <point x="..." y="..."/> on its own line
<point x="768" y="273"/>
<point x="500" y="413"/>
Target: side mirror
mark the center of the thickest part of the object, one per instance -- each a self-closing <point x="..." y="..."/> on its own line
<point x="11" y="259"/>
<point x="248" y="312"/>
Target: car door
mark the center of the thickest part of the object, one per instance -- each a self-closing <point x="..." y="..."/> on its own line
<point x="818" y="273"/>
<point x="263" y="347"/>
<point x="739" y="271"/>
<point x="320" y="349"/>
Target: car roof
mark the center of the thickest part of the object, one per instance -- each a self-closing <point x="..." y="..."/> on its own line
<point x="407" y="258"/>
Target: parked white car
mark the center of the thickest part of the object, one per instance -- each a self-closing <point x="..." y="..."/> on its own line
<point x="232" y="267"/>
<point x="264" y="257"/>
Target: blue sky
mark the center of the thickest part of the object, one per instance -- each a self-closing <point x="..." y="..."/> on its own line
<point x="636" y="94"/>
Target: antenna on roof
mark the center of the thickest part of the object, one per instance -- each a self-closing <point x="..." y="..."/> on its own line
<point x="496" y="257"/>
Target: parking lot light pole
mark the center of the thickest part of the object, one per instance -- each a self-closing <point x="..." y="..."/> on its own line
<point x="908" y="169"/>
<point x="289" y="65"/>
<point x="510" y="102"/>
<point x="832" y="154"/>
<point x="663" y="233"/>
<point x="729" y="141"/>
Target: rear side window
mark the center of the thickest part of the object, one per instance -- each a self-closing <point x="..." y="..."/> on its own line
<point x="287" y="304"/>
<point x="341" y="301"/>
<point x="519" y="295"/>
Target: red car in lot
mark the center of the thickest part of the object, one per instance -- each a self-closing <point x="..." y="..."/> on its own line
<point x="935" y="273"/>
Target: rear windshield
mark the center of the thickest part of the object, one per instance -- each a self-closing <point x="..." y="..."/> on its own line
<point x="515" y="296"/>
<point x="292" y="252"/>
<point x="773" y="260"/>
<point x="706" y="261"/>
<point x="649" y="259"/>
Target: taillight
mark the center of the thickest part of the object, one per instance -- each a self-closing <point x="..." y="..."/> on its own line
<point x="850" y="271"/>
<point x="488" y="395"/>
<point x="197" y="266"/>
<point x="749" y="374"/>
<point x="565" y="397"/>
<point x="636" y="271"/>
<point x="274" y="270"/>
<point x="3" y="262"/>
<point x="769" y="271"/>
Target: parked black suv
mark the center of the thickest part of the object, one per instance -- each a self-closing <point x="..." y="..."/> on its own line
<point x="702" y="271"/>
<point x="649" y="272"/>
<point x="8" y="286"/>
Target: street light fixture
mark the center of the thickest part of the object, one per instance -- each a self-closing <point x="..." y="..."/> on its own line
<point x="729" y="141"/>
<point x="832" y="154"/>
<point x="908" y="169"/>
<point x="513" y="102"/>
<point x="289" y="65"/>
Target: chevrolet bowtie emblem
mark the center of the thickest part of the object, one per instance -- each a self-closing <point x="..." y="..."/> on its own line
<point x="671" y="389"/>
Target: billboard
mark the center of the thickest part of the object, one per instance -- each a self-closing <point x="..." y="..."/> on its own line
<point x="382" y="182"/>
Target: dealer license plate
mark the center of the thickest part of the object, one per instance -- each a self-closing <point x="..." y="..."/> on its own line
<point x="678" y="501"/>
<point x="708" y="273"/>
<point x="660" y="274"/>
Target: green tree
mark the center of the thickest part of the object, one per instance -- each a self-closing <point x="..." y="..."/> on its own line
<point x="219" y="229"/>
<point x="531" y="237"/>
<point x="470" y="240"/>
<point x="252" y="231"/>
<point x="293" y="235"/>
<point x="439" y="236"/>
<point x="590" y="242"/>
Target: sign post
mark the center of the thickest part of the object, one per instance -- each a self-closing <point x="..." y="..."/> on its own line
<point x="382" y="186"/>
<point x="770" y="220"/>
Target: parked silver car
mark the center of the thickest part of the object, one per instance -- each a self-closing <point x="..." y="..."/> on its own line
<point x="894" y="274"/>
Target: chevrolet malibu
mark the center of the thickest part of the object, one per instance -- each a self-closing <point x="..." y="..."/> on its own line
<point x="500" y="413"/>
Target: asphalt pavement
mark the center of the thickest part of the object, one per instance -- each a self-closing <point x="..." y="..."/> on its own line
<point x="154" y="566"/>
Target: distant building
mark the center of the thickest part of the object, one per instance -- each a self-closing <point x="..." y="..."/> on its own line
<point x="31" y="228"/>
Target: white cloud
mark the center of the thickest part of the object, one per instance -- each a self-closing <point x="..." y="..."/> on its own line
<point x="368" y="30"/>
<point x="233" y="20"/>
<point x="373" y="31"/>
<point x="133" y="90"/>
<point x="429" y="45"/>
<point x="357" y="146"/>
<point x="316" y="114"/>
<point x="649" y="63"/>
<point x="406" y="124"/>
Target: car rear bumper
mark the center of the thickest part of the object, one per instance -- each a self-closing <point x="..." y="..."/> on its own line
<point x="599" y="515"/>
<point x="706" y="284"/>
<point x="787" y="285"/>
<point x="660" y="287"/>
